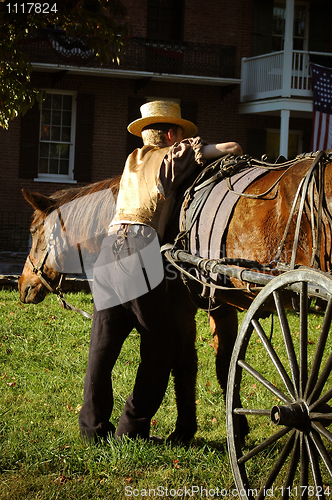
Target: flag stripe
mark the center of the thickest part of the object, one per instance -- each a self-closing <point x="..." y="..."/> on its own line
<point x="329" y="143"/>
<point x="326" y="135"/>
<point x="322" y="106"/>
<point x="314" y="132"/>
<point x="320" y="126"/>
<point x="321" y="131"/>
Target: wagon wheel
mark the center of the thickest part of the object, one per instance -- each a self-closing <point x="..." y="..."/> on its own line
<point x="284" y="383"/>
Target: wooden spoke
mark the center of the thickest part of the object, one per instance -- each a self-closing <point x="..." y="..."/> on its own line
<point x="274" y="358"/>
<point x="264" y="381"/>
<point x="294" y="367"/>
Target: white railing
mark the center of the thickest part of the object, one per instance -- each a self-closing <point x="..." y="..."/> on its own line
<point x="262" y="76"/>
<point x="301" y="79"/>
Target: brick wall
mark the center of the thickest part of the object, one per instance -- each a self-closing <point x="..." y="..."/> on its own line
<point x="210" y="21"/>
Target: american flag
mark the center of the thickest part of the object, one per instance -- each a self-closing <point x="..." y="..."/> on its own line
<point x="322" y="99"/>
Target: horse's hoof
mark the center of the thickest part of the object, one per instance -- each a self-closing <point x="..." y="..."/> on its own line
<point x="182" y="438"/>
<point x="156" y="440"/>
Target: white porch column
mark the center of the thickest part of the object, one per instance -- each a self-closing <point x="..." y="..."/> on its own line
<point x="288" y="49"/>
<point x="284" y="132"/>
<point x="287" y="77"/>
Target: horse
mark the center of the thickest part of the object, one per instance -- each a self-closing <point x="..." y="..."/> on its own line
<point x="255" y="231"/>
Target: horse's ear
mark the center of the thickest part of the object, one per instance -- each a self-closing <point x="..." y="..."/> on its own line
<point x="38" y="201"/>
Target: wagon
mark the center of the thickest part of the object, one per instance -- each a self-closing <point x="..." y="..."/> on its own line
<point x="292" y="407"/>
<point x="280" y="370"/>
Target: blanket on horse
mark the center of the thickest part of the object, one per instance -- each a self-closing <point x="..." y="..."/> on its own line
<point x="212" y="220"/>
<point x="205" y="215"/>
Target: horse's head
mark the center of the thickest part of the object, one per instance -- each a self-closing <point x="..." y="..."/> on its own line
<point x="67" y="231"/>
<point x="31" y="288"/>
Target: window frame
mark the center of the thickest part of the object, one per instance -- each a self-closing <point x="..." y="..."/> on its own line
<point x="305" y="38"/>
<point x="62" y="178"/>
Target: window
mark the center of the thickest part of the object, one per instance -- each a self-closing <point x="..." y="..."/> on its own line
<point x="273" y="141"/>
<point x="44" y="137"/>
<point x="300" y="29"/>
<point x="165" y="19"/>
<point x="56" y="138"/>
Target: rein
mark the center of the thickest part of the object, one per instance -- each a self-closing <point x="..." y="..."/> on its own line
<point x="38" y="271"/>
<point x="314" y="177"/>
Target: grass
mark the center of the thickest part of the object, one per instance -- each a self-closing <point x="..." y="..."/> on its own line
<point x="43" y="357"/>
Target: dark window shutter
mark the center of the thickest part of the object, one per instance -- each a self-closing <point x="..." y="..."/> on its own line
<point x="134" y="142"/>
<point x="84" y="137"/>
<point x="263" y="27"/>
<point x="29" y="143"/>
<point x="319" y="27"/>
<point x="256" y="144"/>
<point x="189" y="111"/>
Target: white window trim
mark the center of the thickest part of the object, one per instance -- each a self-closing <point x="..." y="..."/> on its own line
<point x="68" y="179"/>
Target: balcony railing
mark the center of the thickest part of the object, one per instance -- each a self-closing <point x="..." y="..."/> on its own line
<point x="179" y="58"/>
<point x="263" y="76"/>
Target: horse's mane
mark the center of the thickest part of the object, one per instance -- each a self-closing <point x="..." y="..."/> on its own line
<point x="85" y="212"/>
<point x="66" y="195"/>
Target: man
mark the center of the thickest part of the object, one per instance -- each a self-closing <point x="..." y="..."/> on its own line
<point x="129" y="287"/>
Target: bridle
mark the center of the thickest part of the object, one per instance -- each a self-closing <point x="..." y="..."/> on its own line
<point x="38" y="270"/>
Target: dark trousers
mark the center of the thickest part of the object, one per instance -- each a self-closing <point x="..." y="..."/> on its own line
<point x="151" y="315"/>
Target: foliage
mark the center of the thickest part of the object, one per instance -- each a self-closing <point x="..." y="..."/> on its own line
<point x="104" y="32"/>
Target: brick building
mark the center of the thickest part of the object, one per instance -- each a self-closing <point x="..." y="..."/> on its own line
<point x="239" y="69"/>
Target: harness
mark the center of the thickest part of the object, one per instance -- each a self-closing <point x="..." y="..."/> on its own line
<point x="224" y="169"/>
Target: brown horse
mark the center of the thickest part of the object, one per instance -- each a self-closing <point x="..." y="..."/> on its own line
<point x="255" y="231"/>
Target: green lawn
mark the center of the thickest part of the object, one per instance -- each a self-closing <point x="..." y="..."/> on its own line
<point x="43" y="357"/>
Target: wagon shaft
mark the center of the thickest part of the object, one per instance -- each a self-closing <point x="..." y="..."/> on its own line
<point x="262" y="276"/>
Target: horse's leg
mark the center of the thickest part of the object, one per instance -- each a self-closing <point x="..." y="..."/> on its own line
<point x="185" y="364"/>
<point x="224" y="325"/>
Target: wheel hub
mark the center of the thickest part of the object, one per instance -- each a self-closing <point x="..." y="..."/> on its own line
<point x="295" y="415"/>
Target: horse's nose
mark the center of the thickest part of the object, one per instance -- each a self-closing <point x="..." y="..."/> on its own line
<point x="24" y="293"/>
<point x="32" y="293"/>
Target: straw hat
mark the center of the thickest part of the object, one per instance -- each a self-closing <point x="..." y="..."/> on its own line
<point x="162" y="112"/>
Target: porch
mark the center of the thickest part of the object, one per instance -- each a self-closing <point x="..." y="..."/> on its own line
<point x="263" y="77"/>
<point x="212" y="64"/>
<point x="279" y="84"/>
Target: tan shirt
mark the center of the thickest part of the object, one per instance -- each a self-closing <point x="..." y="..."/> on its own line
<point x="149" y="181"/>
